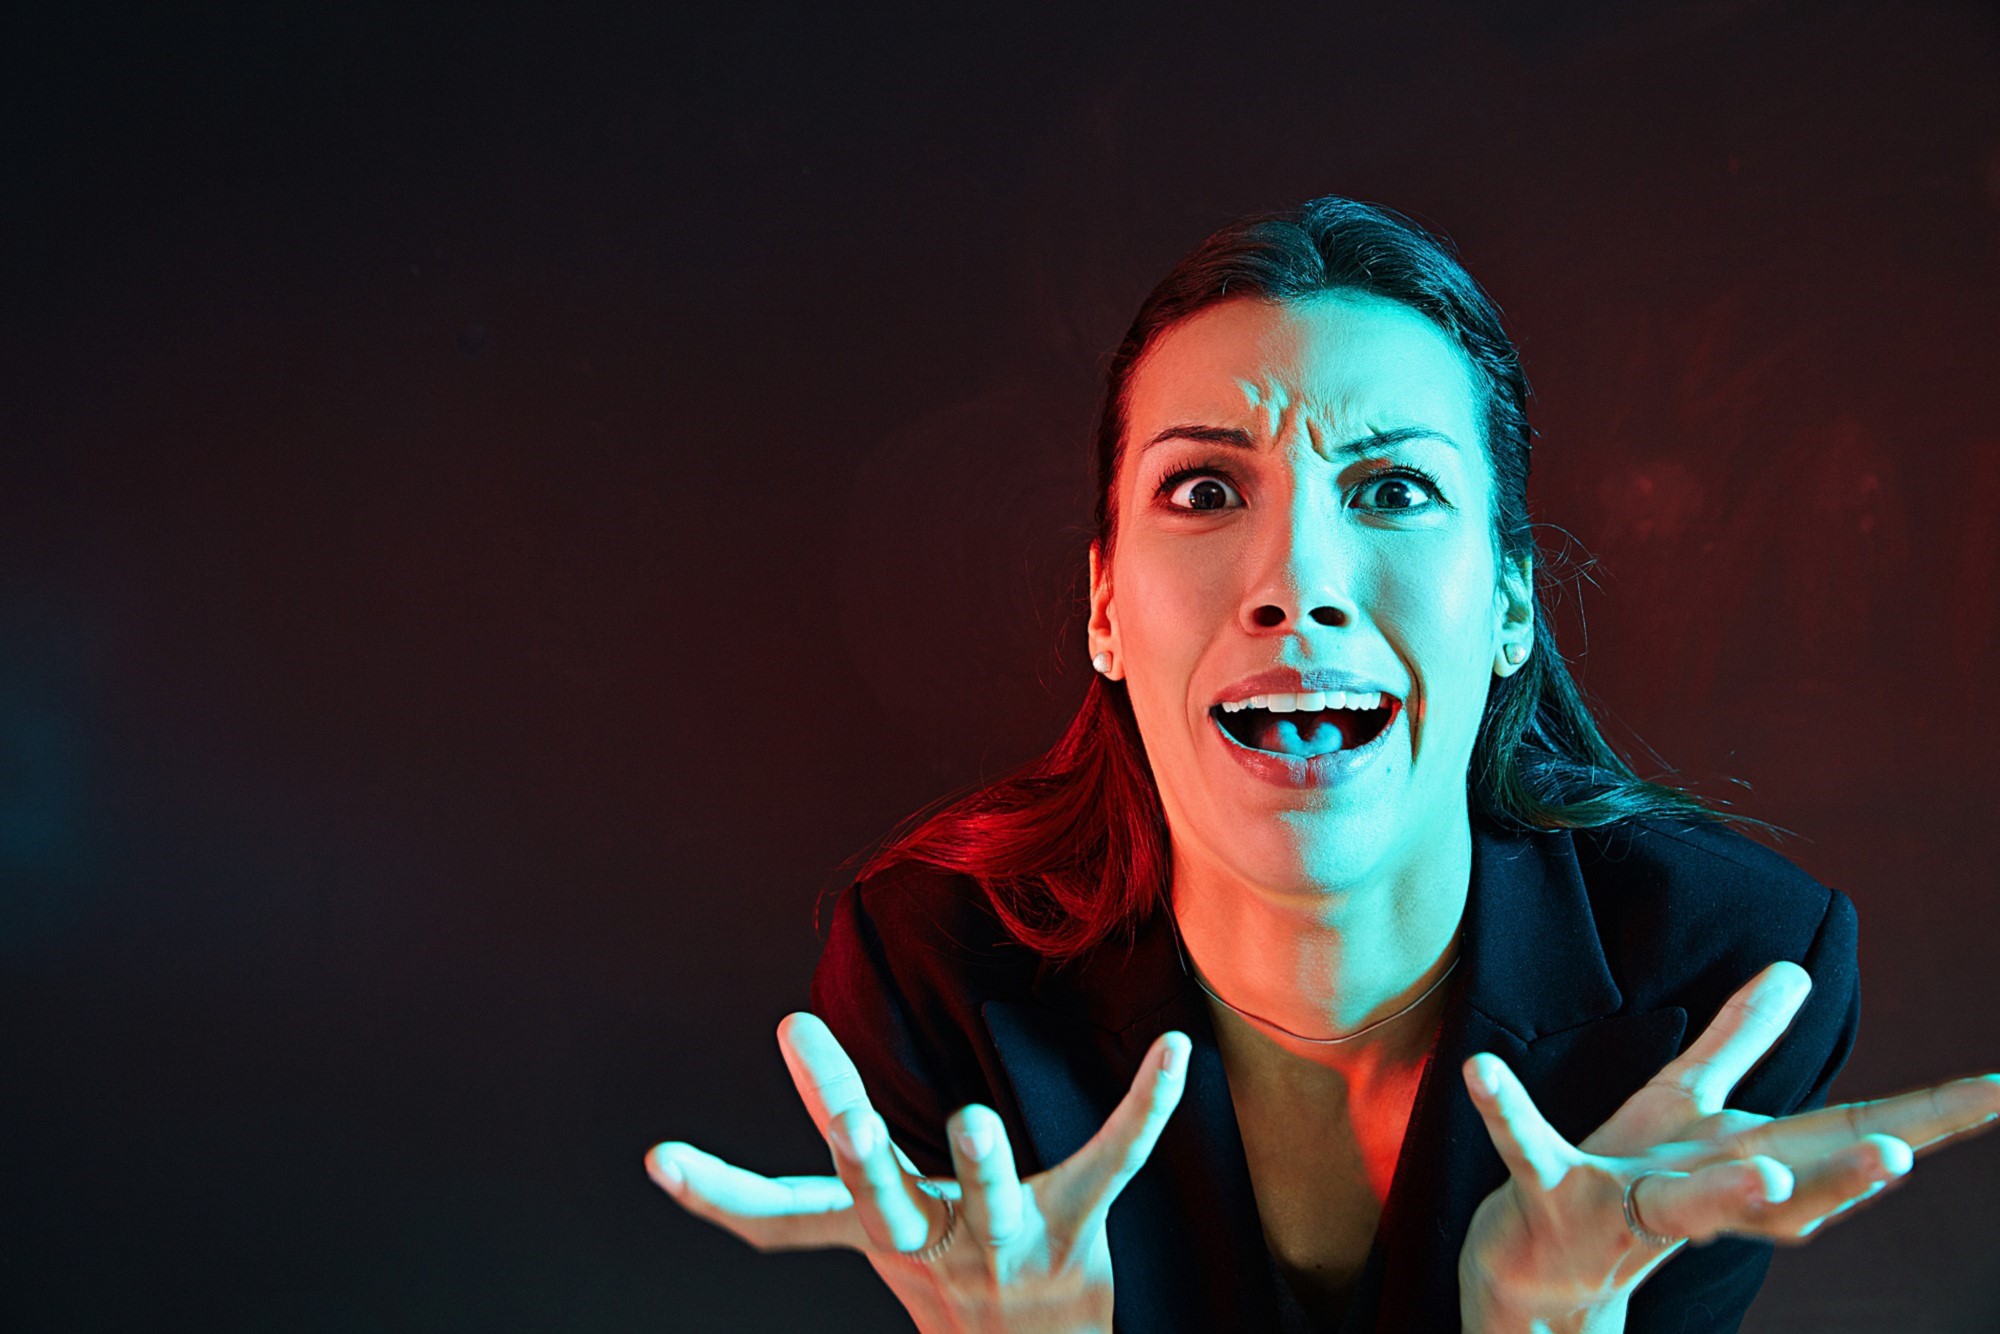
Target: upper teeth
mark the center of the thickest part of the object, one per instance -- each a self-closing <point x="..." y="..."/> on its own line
<point x="1310" y="702"/>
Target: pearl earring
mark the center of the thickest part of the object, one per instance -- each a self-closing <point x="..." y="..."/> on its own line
<point x="1516" y="653"/>
<point x="1102" y="662"/>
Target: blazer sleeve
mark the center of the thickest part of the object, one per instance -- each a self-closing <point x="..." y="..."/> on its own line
<point x="856" y="993"/>
<point x="1710" y="1288"/>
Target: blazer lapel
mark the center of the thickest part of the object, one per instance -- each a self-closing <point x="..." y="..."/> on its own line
<point x="1538" y="993"/>
<point x="1188" y="1244"/>
<point x="1534" y="989"/>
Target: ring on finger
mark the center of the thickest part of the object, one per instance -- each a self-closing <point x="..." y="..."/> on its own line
<point x="1656" y="1240"/>
<point x="943" y="1243"/>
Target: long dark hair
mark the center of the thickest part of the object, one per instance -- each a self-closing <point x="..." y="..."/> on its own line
<point x="1072" y="847"/>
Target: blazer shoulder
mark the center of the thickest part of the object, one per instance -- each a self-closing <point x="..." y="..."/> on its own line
<point x="922" y="911"/>
<point x="912" y="954"/>
<point x="1702" y="869"/>
<point x="931" y="933"/>
<point x="1696" y="906"/>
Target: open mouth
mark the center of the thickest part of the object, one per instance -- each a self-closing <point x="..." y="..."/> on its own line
<point x="1303" y="734"/>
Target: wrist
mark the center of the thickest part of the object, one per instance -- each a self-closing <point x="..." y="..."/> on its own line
<point x="1486" y="1307"/>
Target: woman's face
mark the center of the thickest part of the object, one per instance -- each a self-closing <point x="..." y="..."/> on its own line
<point x="1304" y="492"/>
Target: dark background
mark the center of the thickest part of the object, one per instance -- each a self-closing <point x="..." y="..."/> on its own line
<point x="496" y="509"/>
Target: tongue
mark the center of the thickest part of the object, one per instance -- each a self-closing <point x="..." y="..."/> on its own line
<point x="1300" y="734"/>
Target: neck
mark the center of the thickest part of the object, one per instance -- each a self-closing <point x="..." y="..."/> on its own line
<point x="1327" y="960"/>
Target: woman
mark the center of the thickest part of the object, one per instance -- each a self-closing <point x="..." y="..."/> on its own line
<point x="1331" y="972"/>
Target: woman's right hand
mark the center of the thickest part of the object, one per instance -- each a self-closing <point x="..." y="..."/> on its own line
<point x="1024" y="1255"/>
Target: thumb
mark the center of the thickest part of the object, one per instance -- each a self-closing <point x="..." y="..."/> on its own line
<point x="1091" y="1178"/>
<point x="1535" y="1154"/>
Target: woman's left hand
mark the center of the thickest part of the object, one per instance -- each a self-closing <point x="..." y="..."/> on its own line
<point x="1551" y="1249"/>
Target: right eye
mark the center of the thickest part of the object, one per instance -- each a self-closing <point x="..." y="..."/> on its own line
<point x="1198" y="491"/>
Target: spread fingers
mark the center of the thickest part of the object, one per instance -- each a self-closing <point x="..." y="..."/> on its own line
<point x="1760" y="1196"/>
<point x="895" y="1213"/>
<point x="1833" y="1185"/>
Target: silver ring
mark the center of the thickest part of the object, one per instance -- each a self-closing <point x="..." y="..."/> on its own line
<point x="1638" y="1229"/>
<point x="943" y="1243"/>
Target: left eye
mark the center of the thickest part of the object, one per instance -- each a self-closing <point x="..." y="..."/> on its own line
<point x="1395" y="492"/>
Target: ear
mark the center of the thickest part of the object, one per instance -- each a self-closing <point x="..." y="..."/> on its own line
<point x="1102" y="632"/>
<point x="1513" y="616"/>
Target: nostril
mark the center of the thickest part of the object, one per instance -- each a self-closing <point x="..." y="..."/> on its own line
<point x="1268" y="616"/>
<point x="1326" y="615"/>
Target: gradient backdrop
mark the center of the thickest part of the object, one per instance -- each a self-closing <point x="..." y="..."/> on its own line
<point x="495" y="510"/>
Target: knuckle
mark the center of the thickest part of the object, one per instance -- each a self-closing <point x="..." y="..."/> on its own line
<point x="1689" y="1082"/>
<point x="1762" y="1010"/>
<point x="994" y="1239"/>
<point x="841" y="1082"/>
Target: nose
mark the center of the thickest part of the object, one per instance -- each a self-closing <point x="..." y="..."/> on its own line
<point x="1302" y="576"/>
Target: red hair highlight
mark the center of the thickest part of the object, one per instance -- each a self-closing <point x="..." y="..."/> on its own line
<point x="1071" y="847"/>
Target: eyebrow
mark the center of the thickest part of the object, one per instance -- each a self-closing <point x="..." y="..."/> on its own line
<point x="1236" y="438"/>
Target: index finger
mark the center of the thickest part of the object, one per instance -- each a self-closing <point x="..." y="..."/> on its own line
<point x="1746" y="1027"/>
<point x="827" y="1081"/>
<point x="1535" y="1153"/>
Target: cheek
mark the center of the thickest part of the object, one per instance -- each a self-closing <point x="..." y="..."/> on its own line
<point x="1169" y="609"/>
<point x="1441" y="610"/>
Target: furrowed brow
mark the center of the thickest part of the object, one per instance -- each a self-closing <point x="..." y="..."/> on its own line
<point x="1236" y="438"/>
<point x="1402" y="434"/>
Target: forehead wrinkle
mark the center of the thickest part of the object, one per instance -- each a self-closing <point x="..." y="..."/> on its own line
<point x="1268" y="400"/>
<point x="1330" y="426"/>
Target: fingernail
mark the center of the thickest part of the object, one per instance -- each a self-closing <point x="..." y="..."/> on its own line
<point x="975" y="1140"/>
<point x="1776" y="1182"/>
<point x="1897" y="1158"/>
<point x="670" y="1172"/>
<point x="1486" y="1070"/>
<point x="1174" y="1059"/>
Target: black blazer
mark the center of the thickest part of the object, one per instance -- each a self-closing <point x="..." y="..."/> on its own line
<point x="1589" y="960"/>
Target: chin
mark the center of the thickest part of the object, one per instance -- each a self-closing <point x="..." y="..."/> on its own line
<point x="1310" y="854"/>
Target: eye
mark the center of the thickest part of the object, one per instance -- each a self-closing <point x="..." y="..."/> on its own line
<point x="1198" y="491"/>
<point x="1400" y="490"/>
